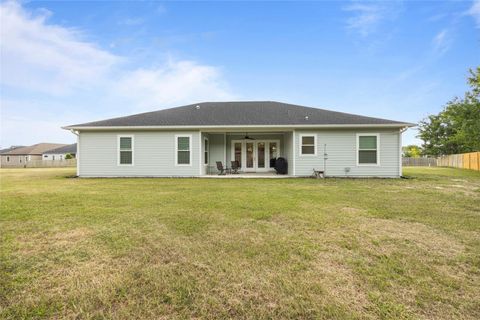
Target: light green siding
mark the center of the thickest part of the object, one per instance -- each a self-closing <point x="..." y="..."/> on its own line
<point x="341" y="147"/>
<point x="153" y="154"/>
<point x="288" y="147"/>
<point x="217" y="148"/>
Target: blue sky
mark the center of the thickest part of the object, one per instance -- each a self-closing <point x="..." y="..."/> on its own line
<point x="72" y="62"/>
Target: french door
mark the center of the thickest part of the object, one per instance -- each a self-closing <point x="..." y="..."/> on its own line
<point x="255" y="155"/>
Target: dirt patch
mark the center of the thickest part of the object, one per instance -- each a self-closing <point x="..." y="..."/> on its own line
<point x="352" y="210"/>
<point x="34" y="244"/>
<point x="417" y="234"/>
<point x="339" y="280"/>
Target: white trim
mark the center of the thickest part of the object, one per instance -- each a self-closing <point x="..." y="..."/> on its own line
<point x="77" y="155"/>
<point x="190" y="137"/>
<point x="225" y="148"/>
<point x="358" y="135"/>
<point x="227" y="127"/>
<point x="255" y="153"/>
<point x="293" y="151"/>
<point x="400" y="153"/>
<point x="200" y="156"/>
<point x="131" y="136"/>
<point x="300" y="151"/>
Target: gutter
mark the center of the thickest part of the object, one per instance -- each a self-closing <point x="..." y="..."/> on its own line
<point x="226" y="127"/>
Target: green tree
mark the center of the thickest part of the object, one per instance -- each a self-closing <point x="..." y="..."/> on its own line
<point x="68" y="156"/>
<point x="412" y="151"/>
<point x="456" y="129"/>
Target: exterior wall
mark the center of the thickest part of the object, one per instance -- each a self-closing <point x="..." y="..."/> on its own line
<point x="341" y="147"/>
<point x="17" y="161"/>
<point x="153" y="154"/>
<point x="217" y="148"/>
<point x="288" y="153"/>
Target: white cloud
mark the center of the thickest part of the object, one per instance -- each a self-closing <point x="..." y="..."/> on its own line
<point x="367" y="16"/>
<point x="174" y="82"/>
<point x="474" y="11"/>
<point x="46" y="58"/>
<point x="442" y="41"/>
<point x="40" y="59"/>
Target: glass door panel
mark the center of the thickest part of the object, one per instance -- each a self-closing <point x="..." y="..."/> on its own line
<point x="238" y="153"/>
<point x="250" y="154"/>
<point x="261" y="154"/>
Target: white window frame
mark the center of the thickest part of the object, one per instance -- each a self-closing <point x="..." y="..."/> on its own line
<point x="358" y="149"/>
<point x="189" y="136"/>
<point x="300" y="153"/>
<point x="206" y="151"/>
<point x="131" y="136"/>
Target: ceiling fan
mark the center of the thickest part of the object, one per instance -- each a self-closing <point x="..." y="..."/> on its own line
<point x="247" y="137"/>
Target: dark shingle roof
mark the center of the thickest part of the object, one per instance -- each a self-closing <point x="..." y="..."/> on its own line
<point x="239" y="113"/>
<point x="71" y="148"/>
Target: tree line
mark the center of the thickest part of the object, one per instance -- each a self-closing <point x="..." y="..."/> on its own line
<point x="456" y="129"/>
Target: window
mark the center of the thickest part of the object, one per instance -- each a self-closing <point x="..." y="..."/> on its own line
<point x="183" y="152"/>
<point x="367" y="146"/>
<point x="53" y="157"/>
<point x="125" y="150"/>
<point x="205" y="152"/>
<point x="8" y="159"/>
<point x="308" y="145"/>
<point x="45" y="156"/>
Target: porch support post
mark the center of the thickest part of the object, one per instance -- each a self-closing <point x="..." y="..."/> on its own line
<point x="200" y="153"/>
<point x="225" y="148"/>
<point x="294" y="151"/>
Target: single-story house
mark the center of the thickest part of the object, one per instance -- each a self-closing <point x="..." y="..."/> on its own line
<point x="60" y="153"/>
<point x="19" y="157"/>
<point x="190" y="140"/>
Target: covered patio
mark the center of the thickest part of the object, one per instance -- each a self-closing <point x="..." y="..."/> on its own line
<point x="254" y="152"/>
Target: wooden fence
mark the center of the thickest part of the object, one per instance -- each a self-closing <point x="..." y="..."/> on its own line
<point x="419" y="162"/>
<point x="464" y="161"/>
<point x="51" y="163"/>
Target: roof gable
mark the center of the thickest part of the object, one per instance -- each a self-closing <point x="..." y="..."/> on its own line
<point x="247" y="113"/>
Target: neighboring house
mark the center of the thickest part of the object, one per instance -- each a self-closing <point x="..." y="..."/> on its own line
<point x="189" y="140"/>
<point x="2" y="151"/>
<point x="20" y="156"/>
<point x="60" y="153"/>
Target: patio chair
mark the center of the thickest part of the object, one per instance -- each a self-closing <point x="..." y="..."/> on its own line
<point x="220" y="168"/>
<point x="235" y="166"/>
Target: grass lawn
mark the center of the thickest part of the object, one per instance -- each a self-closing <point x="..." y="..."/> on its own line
<point x="240" y="248"/>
